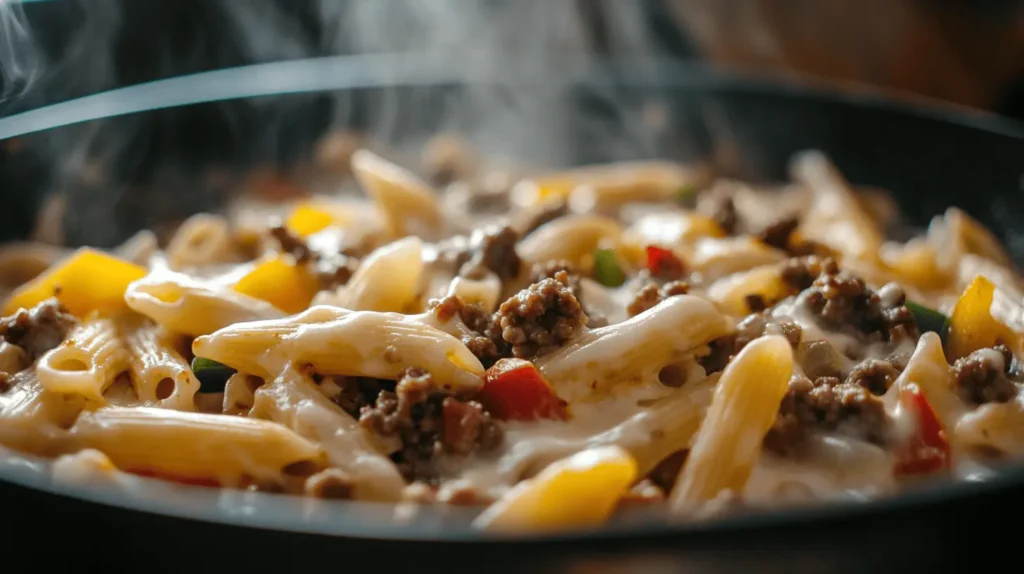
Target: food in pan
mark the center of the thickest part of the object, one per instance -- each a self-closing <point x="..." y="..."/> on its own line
<point x="554" y="347"/>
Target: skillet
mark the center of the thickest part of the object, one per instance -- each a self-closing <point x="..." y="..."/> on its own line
<point x="930" y="157"/>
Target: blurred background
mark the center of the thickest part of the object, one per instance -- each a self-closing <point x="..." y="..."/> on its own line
<point x="116" y="174"/>
<point x="966" y="52"/>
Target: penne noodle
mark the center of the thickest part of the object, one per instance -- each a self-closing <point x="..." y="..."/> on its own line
<point x="409" y="206"/>
<point x="573" y="238"/>
<point x="387" y="280"/>
<point x="291" y="400"/>
<point x="183" y="305"/>
<point x="184" y="445"/>
<point x="341" y="342"/>
<point x="87" y="362"/>
<point x="160" y="375"/>
<point x="743" y="409"/>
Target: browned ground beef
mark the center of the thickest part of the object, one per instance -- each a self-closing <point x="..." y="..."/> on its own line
<point x="843" y="302"/>
<point x="651" y="294"/>
<point x="723" y="211"/>
<point x="330" y="483"/>
<point x="751" y="327"/>
<point x="546" y="212"/>
<point x="550" y="269"/>
<point x="428" y="420"/>
<point x="493" y="250"/>
<point x="827" y="404"/>
<point x="983" y="376"/>
<point x="485" y="342"/>
<point x="873" y="375"/>
<point x="799" y="273"/>
<point x="541" y="318"/>
<point x="39" y="329"/>
<point x="331" y="270"/>
<point x="778" y="234"/>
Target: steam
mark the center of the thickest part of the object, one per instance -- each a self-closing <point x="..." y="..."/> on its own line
<point x="20" y="59"/>
<point x="518" y="63"/>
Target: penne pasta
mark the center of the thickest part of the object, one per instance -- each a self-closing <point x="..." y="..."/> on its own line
<point x="87" y="362"/>
<point x="337" y="341"/>
<point x="408" y="204"/>
<point x="388" y="280"/>
<point x="741" y="412"/>
<point x="196" y="446"/>
<point x="160" y="375"/>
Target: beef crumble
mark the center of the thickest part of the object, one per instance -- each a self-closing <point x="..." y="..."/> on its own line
<point x="39" y="329"/>
<point x="485" y="342"/>
<point x="331" y="270"/>
<point x="723" y="349"/>
<point x="983" y="376"/>
<point x="493" y="250"/>
<point x="826" y="403"/>
<point x="428" y="420"/>
<point x="541" y="318"/>
<point x="779" y="233"/>
<point x="842" y="301"/>
<point x="651" y="294"/>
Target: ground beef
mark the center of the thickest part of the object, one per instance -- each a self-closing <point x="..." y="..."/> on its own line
<point x="551" y="270"/>
<point x="826" y="404"/>
<point x="723" y="349"/>
<point x="541" y="318"/>
<point x="546" y="212"/>
<point x="428" y="420"/>
<point x="778" y="234"/>
<point x="331" y="483"/>
<point x="493" y="250"/>
<point x="983" y="376"/>
<point x="799" y="273"/>
<point x="331" y="270"/>
<point x="873" y="375"/>
<point x="723" y="211"/>
<point x="485" y="341"/>
<point x="651" y="294"/>
<point x="39" y="329"/>
<point x="843" y="302"/>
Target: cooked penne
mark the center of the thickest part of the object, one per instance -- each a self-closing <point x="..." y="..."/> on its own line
<point x="590" y="365"/>
<point x="336" y="341"/>
<point x="573" y="238"/>
<point x="86" y="363"/>
<point x="202" y="239"/>
<point x="183" y="305"/>
<point x="291" y="400"/>
<point x="408" y="204"/>
<point x="35" y="420"/>
<point x="388" y="280"/>
<point x="741" y="412"/>
<point x="160" y="375"/>
<point x="196" y="446"/>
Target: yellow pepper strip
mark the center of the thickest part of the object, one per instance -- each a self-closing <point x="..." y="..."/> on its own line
<point x="309" y="217"/>
<point x="971" y="324"/>
<point x="280" y="282"/>
<point x="579" y="491"/>
<point x="88" y="280"/>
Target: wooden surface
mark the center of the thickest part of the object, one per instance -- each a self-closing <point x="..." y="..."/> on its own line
<point x="960" y="51"/>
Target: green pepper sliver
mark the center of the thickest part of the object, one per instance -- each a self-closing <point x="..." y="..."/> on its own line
<point x="211" y="374"/>
<point x="928" y="319"/>
<point x="686" y="192"/>
<point x="607" y="270"/>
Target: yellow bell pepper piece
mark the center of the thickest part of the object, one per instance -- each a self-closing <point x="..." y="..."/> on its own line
<point x="971" y="324"/>
<point x="310" y="217"/>
<point x="280" y="282"/>
<point x="579" y="491"/>
<point x="88" y="280"/>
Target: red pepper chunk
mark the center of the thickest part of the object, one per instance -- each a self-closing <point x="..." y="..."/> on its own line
<point x="515" y="390"/>
<point x="664" y="264"/>
<point x="928" y="449"/>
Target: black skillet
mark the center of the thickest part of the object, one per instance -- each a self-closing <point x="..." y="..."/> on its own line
<point x="154" y="167"/>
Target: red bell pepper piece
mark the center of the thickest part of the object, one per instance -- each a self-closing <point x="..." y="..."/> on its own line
<point x="515" y="390"/>
<point x="928" y="448"/>
<point x="664" y="264"/>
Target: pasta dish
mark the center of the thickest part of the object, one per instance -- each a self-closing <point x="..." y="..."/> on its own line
<point x="555" y="347"/>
